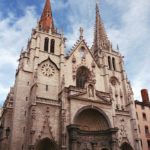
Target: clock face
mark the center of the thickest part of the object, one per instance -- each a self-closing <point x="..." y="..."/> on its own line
<point x="47" y="69"/>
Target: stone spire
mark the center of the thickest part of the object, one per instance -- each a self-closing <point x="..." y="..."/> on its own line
<point x="46" y="22"/>
<point x="100" y="36"/>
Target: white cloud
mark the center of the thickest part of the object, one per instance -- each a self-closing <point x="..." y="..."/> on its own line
<point x="14" y="33"/>
<point x="133" y="38"/>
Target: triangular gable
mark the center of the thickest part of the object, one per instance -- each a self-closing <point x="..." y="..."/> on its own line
<point x="78" y="44"/>
<point x="50" y="60"/>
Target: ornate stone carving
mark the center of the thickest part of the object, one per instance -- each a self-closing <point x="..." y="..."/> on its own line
<point x="93" y="64"/>
<point x="63" y="82"/>
<point x="33" y="113"/>
<point x="104" y="96"/>
<point x="91" y="90"/>
<point x="46" y="130"/>
<point x="114" y="81"/>
<point x="122" y="133"/>
<point x="47" y="69"/>
<point x="73" y="59"/>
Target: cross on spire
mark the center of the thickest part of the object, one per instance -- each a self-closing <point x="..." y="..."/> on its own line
<point x="81" y="33"/>
<point x="46" y="22"/>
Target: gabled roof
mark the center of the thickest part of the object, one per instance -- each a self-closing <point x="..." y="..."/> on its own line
<point x="78" y="43"/>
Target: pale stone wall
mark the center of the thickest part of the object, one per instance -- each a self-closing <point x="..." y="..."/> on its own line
<point x="44" y="105"/>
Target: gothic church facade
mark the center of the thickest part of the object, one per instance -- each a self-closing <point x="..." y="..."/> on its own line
<point x="79" y="101"/>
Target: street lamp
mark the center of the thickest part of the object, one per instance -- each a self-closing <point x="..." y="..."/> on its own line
<point x="7" y="132"/>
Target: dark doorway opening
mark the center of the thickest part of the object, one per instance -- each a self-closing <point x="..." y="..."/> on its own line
<point x="126" y="146"/>
<point x="46" y="144"/>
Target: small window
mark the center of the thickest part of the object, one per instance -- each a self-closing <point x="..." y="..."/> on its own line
<point x="148" y="142"/>
<point x="26" y="98"/>
<point x="25" y="113"/>
<point x="24" y="130"/>
<point x="142" y="106"/>
<point x="82" y="52"/>
<point x="46" y="43"/>
<point x="52" y="49"/>
<point x="141" y="143"/>
<point x="139" y="129"/>
<point x="137" y="115"/>
<point x="144" y="117"/>
<point x="46" y="87"/>
<point x="109" y="63"/>
<point x="22" y="146"/>
<point x="146" y="130"/>
<point x="114" y="63"/>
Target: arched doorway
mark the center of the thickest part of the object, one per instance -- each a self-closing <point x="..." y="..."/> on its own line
<point x="91" y="130"/>
<point x="126" y="146"/>
<point x="91" y="120"/>
<point x="46" y="144"/>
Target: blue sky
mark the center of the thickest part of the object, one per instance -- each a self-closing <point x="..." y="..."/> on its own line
<point x="127" y="23"/>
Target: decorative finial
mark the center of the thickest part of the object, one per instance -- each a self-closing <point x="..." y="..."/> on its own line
<point x="117" y="47"/>
<point x="97" y="2"/>
<point x="81" y="33"/>
<point x="22" y="50"/>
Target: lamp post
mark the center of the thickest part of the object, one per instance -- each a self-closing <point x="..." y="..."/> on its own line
<point x="5" y="136"/>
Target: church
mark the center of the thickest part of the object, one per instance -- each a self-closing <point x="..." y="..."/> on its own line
<point x="79" y="101"/>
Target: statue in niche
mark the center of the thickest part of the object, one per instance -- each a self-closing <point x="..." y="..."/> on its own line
<point x="91" y="90"/>
<point x="86" y="146"/>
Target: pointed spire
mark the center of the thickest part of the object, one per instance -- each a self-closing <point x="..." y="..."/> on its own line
<point x="46" y="22"/>
<point x="100" y="36"/>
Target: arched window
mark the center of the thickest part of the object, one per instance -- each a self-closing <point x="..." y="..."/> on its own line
<point x="82" y="77"/>
<point x="144" y="116"/>
<point x="82" y="52"/>
<point x="52" y="49"/>
<point x="46" y="43"/>
<point x="114" y="63"/>
<point x="109" y="62"/>
<point x="146" y="130"/>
